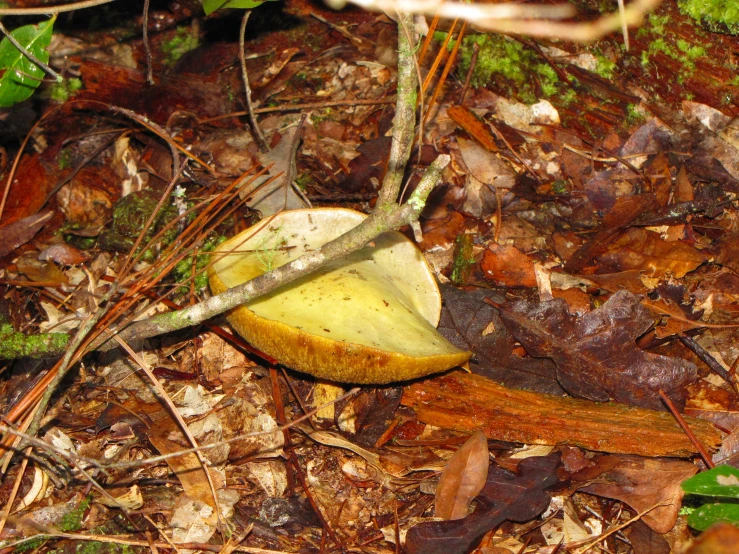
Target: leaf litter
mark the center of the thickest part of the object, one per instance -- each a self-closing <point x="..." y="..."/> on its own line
<point x="619" y="185"/>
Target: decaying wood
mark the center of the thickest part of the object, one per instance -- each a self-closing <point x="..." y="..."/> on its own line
<point x="466" y="402"/>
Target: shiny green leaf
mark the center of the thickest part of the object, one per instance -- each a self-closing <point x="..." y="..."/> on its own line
<point x="19" y="76"/>
<point x="703" y="517"/>
<point x="719" y="482"/>
<point x="212" y="5"/>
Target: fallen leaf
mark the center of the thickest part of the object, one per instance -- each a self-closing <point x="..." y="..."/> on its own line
<point x="20" y="232"/>
<point x="274" y="192"/>
<point x="467" y="321"/>
<point x="507" y="266"/>
<point x="463" y="478"/>
<point x="64" y="254"/>
<point x="625" y="210"/>
<point x="506" y="496"/>
<point x="478" y="130"/>
<point x="39" y="271"/>
<point x="596" y="354"/>
<point x="722" y="538"/>
<point x="642" y="483"/>
<point x="643" y="539"/>
<point x="639" y="249"/>
<point x="486" y="166"/>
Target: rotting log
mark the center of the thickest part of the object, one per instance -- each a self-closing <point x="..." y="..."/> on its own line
<point x="466" y="402"/>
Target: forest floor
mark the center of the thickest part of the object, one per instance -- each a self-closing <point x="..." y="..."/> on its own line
<point x="585" y="237"/>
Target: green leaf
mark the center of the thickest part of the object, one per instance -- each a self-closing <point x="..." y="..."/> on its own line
<point x="708" y="514"/>
<point x="721" y="482"/>
<point x="20" y="76"/>
<point x="212" y="5"/>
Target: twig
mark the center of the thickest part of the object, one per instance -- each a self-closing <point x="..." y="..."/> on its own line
<point x="525" y="19"/>
<point x="470" y="71"/>
<point x="28" y="54"/>
<point x="147" y="49"/>
<point x="247" y="88"/>
<point x="305" y="106"/>
<point x="709" y="360"/>
<point x="404" y="120"/>
<point x="14" y="491"/>
<point x="44" y="10"/>
<point x="686" y="428"/>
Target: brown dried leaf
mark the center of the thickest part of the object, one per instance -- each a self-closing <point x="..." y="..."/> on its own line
<point x="463" y="478"/>
<point x="505" y="496"/>
<point x="485" y="166"/>
<point x="507" y="266"/>
<point x="39" y="271"/>
<point x="722" y="538"/>
<point x="20" y="232"/>
<point x="472" y="124"/>
<point x="642" y="483"/>
<point x="64" y="254"/>
<point x="644" y="250"/>
<point x="625" y="210"/>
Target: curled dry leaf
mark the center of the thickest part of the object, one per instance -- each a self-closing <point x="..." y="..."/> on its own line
<point x="463" y="478"/>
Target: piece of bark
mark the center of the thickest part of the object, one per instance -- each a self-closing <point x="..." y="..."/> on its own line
<point x="467" y="402"/>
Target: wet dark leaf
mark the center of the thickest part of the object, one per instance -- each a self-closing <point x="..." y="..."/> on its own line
<point x="596" y="354"/>
<point x="469" y="323"/>
<point x="506" y="496"/>
<point x="625" y="210"/>
<point x="20" y="232"/>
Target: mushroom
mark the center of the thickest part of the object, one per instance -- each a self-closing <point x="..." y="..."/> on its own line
<point x="368" y="318"/>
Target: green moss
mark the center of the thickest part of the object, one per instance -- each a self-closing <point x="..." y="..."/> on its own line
<point x="569" y="96"/>
<point x="633" y="115"/>
<point x="507" y="63"/>
<point x="130" y="214"/>
<point x="721" y="16"/>
<point x="61" y="92"/>
<point x="464" y="259"/>
<point x="72" y="521"/>
<point x="682" y="51"/>
<point x="183" y="41"/>
<point x="19" y="345"/>
<point x="656" y="24"/>
<point x="65" y="159"/>
<point x="31" y="545"/>
<point x="183" y="270"/>
<point x="559" y="187"/>
<point x="604" y="67"/>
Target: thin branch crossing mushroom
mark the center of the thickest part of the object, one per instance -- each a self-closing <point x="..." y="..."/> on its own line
<point x="367" y="318"/>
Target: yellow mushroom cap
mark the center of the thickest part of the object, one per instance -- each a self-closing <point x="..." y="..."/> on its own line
<point x="367" y="318"/>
